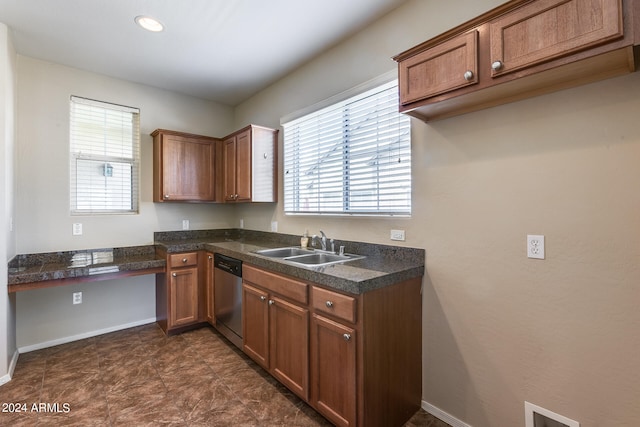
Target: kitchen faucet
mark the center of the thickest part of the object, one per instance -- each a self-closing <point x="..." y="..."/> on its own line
<point x="323" y="240"/>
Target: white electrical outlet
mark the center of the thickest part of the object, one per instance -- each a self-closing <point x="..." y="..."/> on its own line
<point x="274" y="226"/>
<point x="77" y="297"/>
<point x="241" y="223"/>
<point x="77" y="229"/>
<point x="397" y="235"/>
<point x="535" y="246"/>
<point x="185" y="224"/>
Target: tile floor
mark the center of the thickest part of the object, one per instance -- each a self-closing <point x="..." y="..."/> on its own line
<point x="140" y="377"/>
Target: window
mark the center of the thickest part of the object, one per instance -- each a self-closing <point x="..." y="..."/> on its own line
<point x="105" y="141"/>
<point x="352" y="157"/>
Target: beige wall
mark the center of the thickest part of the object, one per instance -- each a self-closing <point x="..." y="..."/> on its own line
<point x="43" y="222"/>
<point x="7" y="196"/>
<point x="499" y="328"/>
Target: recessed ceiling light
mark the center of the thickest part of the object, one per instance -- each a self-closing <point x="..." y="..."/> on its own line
<point x="149" y="23"/>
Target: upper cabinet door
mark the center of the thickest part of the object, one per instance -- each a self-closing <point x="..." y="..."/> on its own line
<point x="547" y="29"/>
<point x="450" y="65"/>
<point x="243" y="166"/>
<point x="188" y="171"/>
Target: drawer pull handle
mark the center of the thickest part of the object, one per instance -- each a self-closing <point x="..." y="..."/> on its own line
<point x="497" y="65"/>
<point x="166" y="196"/>
<point x="347" y="337"/>
<point x="271" y="302"/>
<point x="184" y="260"/>
<point x="262" y="298"/>
<point x="174" y="275"/>
<point x="468" y="76"/>
<point x="329" y="304"/>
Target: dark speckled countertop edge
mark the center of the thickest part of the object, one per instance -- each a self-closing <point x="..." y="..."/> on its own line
<point x="382" y="266"/>
<point x="42" y="267"/>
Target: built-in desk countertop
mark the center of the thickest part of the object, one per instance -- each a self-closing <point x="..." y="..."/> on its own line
<point x="44" y="270"/>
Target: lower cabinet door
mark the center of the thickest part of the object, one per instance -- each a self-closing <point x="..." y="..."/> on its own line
<point x="333" y="370"/>
<point x="289" y="342"/>
<point x="183" y="294"/>
<point x="255" y="324"/>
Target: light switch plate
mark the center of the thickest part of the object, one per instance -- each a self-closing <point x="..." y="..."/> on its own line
<point x="77" y="229"/>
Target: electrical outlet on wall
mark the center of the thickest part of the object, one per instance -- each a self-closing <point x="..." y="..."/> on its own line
<point x="185" y="224"/>
<point x="77" y="297"/>
<point x="535" y="246"/>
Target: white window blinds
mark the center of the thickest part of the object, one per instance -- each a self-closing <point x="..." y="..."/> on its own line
<point x="105" y="153"/>
<point x="353" y="157"/>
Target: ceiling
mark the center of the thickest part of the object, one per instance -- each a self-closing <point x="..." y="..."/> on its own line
<point x="221" y="50"/>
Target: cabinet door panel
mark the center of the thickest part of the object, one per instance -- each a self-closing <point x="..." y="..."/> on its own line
<point x="289" y="345"/>
<point x="548" y="29"/>
<point x="243" y="166"/>
<point x="255" y="324"/>
<point x="229" y="155"/>
<point x="183" y="293"/>
<point x="440" y="69"/>
<point x="188" y="169"/>
<point x="333" y="370"/>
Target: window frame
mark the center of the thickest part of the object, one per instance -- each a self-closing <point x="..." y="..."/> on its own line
<point x="109" y="161"/>
<point x="342" y="101"/>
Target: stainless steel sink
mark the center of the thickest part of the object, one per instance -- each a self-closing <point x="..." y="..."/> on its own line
<point x="284" y="252"/>
<point x="307" y="257"/>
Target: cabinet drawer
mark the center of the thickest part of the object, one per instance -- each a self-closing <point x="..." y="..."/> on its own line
<point x="338" y="305"/>
<point x="284" y="286"/>
<point x="183" y="260"/>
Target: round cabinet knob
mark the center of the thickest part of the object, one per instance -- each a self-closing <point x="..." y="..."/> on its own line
<point x="468" y="76"/>
<point x="174" y="275"/>
<point x="346" y="337"/>
<point x="166" y="196"/>
<point x="271" y="302"/>
<point x="329" y="304"/>
<point x="497" y="65"/>
<point x="184" y="260"/>
<point x="262" y="298"/>
<point x="265" y="155"/>
<point x="210" y="257"/>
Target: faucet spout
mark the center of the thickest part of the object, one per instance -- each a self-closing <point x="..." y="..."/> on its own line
<point x="323" y="240"/>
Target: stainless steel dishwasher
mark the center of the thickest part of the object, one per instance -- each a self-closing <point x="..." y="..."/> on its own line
<point x="227" y="301"/>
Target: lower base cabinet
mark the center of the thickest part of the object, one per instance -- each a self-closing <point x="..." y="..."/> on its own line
<point x="276" y="331"/>
<point x="179" y="292"/>
<point x="333" y="370"/>
<point x="355" y="358"/>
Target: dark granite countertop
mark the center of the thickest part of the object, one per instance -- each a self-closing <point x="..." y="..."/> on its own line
<point x="42" y="267"/>
<point x="382" y="265"/>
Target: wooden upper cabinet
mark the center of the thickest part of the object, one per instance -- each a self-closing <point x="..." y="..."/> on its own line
<point x="237" y="167"/>
<point x="447" y="66"/>
<point x="250" y="161"/>
<point x="523" y="48"/>
<point x="184" y="167"/>
<point x="548" y="29"/>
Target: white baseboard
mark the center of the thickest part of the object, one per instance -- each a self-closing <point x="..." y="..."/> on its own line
<point x="82" y="336"/>
<point x="442" y="415"/>
<point x="12" y="366"/>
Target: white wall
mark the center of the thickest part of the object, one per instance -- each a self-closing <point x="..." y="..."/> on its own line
<point x="43" y="221"/>
<point x="7" y="195"/>
<point x="498" y="328"/>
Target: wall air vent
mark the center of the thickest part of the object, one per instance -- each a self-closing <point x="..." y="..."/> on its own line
<point x="535" y="416"/>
